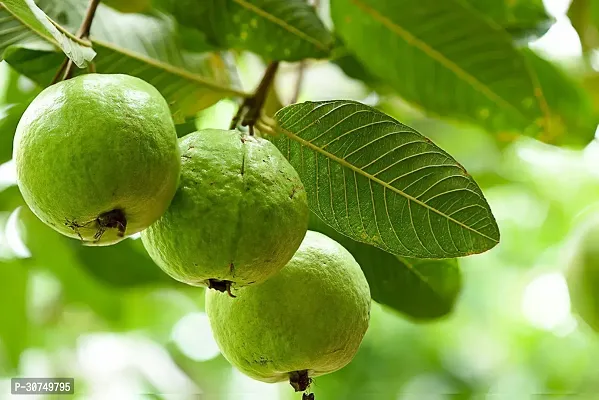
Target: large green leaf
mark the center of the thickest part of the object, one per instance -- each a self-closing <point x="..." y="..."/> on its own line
<point x="523" y="19"/>
<point x="421" y="289"/>
<point x="20" y="18"/>
<point x="446" y="58"/>
<point x="381" y="182"/>
<point x="287" y="30"/>
<point x="146" y="46"/>
<point x="572" y="119"/>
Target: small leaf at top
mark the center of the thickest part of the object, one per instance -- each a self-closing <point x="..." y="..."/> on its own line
<point x="30" y="16"/>
<point x="380" y="182"/>
<point x="445" y="57"/>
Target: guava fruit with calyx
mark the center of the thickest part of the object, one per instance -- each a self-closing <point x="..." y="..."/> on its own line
<point x="239" y="215"/>
<point x="97" y="157"/>
<point x="306" y="321"/>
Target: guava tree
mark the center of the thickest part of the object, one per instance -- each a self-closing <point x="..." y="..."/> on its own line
<point x="405" y="208"/>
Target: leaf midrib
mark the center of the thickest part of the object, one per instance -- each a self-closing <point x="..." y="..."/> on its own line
<point x="289" y="28"/>
<point x="344" y="163"/>
<point x="438" y="56"/>
<point x="171" y="68"/>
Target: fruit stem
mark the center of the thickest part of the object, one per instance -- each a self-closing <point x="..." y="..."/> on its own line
<point x="66" y="68"/>
<point x="251" y="109"/>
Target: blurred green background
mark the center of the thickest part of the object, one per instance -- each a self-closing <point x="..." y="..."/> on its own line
<point x="112" y="320"/>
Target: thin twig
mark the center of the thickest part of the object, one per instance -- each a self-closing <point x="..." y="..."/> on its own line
<point x="86" y="25"/>
<point x="66" y="68"/>
<point x="250" y="110"/>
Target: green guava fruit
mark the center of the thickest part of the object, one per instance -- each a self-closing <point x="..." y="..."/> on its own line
<point x="306" y="321"/>
<point x="239" y="215"/>
<point x="97" y="157"/>
<point x="582" y="274"/>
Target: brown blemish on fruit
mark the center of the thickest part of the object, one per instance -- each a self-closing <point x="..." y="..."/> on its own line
<point x="300" y="380"/>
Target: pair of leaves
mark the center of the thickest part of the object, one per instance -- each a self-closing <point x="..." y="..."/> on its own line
<point x="380" y="182"/>
<point x="146" y="46"/>
<point x="288" y="30"/>
<point x="420" y="289"/>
